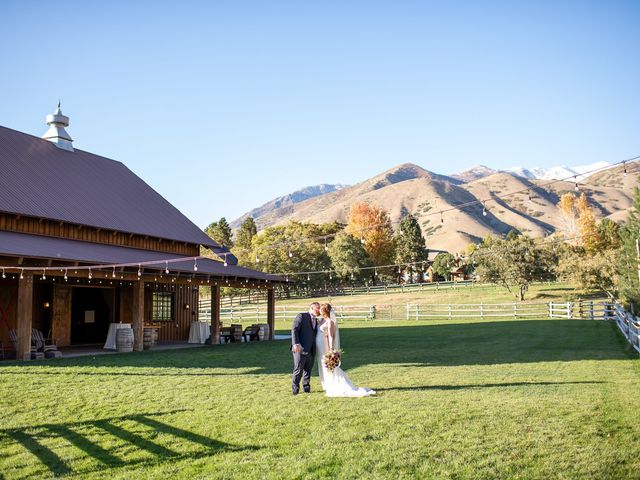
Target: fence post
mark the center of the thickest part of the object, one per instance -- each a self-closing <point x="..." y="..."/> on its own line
<point x="481" y="312"/>
<point x="417" y="311"/>
<point x="550" y="304"/>
<point x="515" y="311"/>
<point x="408" y="311"/>
<point x="372" y="312"/>
<point x="449" y="311"/>
<point x="437" y="286"/>
<point x="591" y="309"/>
<point x="569" y="305"/>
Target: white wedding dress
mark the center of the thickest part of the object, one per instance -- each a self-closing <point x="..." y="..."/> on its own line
<point x="336" y="383"/>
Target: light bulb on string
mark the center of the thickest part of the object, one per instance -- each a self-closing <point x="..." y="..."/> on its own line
<point x="139" y="270"/>
<point x="577" y="187"/>
<point x="308" y="277"/>
<point x="375" y="272"/>
<point x="44" y="274"/>
<point x="65" y="275"/>
<point x="166" y="268"/>
<point x="226" y="264"/>
<point x="195" y="264"/>
<point x="484" y="211"/>
<point x="326" y="247"/>
<point x="4" y="275"/>
<point x="257" y="258"/>
<point x="22" y="274"/>
<point x="441" y="218"/>
<point x="90" y="274"/>
<point x="624" y="166"/>
<point x="362" y="241"/>
<point x="290" y="254"/>
<point x="113" y="273"/>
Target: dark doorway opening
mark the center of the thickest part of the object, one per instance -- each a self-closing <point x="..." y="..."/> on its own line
<point x="92" y="310"/>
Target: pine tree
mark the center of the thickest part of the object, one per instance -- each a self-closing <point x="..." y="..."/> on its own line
<point x="628" y="261"/>
<point x="410" y="244"/>
<point x="220" y="232"/>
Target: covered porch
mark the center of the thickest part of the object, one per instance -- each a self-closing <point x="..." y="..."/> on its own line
<point x="77" y="290"/>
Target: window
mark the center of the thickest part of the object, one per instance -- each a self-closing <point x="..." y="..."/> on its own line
<point x="162" y="307"/>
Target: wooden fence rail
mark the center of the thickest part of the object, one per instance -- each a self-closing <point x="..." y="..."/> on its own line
<point x="592" y="310"/>
<point x="629" y="325"/>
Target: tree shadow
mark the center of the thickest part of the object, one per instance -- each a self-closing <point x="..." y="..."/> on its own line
<point x="31" y="439"/>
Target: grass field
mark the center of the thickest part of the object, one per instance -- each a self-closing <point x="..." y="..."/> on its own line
<point x="513" y="399"/>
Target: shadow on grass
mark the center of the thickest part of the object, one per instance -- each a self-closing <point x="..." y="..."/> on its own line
<point x="484" y="385"/>
<point x="31" y="439"/>
<point x="437" y="344"/>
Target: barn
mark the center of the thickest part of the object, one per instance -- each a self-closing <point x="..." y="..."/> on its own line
<point x="85" y="243"/>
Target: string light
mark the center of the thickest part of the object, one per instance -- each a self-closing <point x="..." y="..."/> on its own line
<point x="139" y="271"/>
<point x="195" y="265"/>
<point x="44" y="274"/>
<point x="226" y="264"/>
<point x="326" y="247"/>
<point x="624" y="166"/>
<point x="90" y="275"/>
<point x="362" y="238"/>
<point x="22" y="274"/>
<point x="577" y="187"/>
<point x="484" y="211"/>
<point x="290" y="254"/>
<point x="441" y="218"/>
<point x="257" y="258"/>
<point x="3" y="274"/>
<point x="166" y="268"/>
<point x="113" y="273"/>
<point x="65" y="275"/>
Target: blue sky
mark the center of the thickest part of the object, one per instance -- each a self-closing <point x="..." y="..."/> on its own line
<point x="221" y="106"/>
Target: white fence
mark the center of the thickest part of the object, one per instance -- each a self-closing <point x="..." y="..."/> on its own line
<point x="591" y="310"/>
<point x="582" y="309"/>
<point x="629" y="325"/>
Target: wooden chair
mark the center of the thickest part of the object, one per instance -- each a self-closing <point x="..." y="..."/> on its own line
<point x="34" y="353"/>
<point x="251" y="333"/>
<point x="47" y="345"/>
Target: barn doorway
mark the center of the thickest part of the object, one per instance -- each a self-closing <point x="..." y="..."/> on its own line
<point x="92" y="310"/>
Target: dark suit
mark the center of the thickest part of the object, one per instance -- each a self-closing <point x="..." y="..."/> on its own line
<point x="303" y="332"/>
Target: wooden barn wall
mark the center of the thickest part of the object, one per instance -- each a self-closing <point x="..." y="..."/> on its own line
<point x="42" y="314"/>
<point x="178" y="329"/>
<point x="51" y="228"/>
<point x="8" y="308"/>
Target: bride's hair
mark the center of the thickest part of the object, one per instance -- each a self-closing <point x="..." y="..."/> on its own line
<point x="325" y="309"/>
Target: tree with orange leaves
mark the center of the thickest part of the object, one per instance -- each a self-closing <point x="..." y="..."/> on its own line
<point x="372" y="225"/>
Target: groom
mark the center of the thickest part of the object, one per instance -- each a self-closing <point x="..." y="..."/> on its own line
<point x="303" y="338"/>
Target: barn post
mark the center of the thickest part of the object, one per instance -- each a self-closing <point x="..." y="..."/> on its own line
<point x="25" y="316"/>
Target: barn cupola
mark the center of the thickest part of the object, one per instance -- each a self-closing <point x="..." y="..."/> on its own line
<point x="56" y="133"/>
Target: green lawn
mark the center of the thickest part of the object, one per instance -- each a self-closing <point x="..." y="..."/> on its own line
<point x="514" y="399"/>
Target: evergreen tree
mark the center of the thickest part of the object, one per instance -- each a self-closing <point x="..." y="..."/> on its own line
<point x="410" y="244"/>
<point x="628" y="258"/>
<point x="220" y="232"/>
<point x="245" y="233"/>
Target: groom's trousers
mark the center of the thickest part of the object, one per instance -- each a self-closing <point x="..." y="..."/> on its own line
<point x="302" y="365"/>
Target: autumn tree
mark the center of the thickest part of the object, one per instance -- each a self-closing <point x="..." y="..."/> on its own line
<point x="372" y="225"/>
<point x="569" y="215"/>
<point x="410" y="244"/>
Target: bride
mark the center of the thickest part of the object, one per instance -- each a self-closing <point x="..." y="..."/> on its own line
<point x="335" y="383"/>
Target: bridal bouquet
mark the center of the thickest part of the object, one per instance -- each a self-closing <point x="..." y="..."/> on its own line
<point x="331" y="359"/>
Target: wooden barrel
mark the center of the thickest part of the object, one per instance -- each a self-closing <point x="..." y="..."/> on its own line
<point x="263" y="334"/>
<point x="149" y="338"/>
<point x="124" y="339"/>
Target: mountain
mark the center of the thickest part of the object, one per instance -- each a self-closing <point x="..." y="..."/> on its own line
<point x="286" y="201"/>
<point x="474" y="173"/>
<point x="557" y="173"/>
<point x="450" y="210"/>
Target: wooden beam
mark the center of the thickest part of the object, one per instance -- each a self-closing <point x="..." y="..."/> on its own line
<point x="215" y="315"/>
<point x="25" y="317"/>
<point x="61" y="322"/>
<point x="271" y="312"/>
<point x="137" y="321"/>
